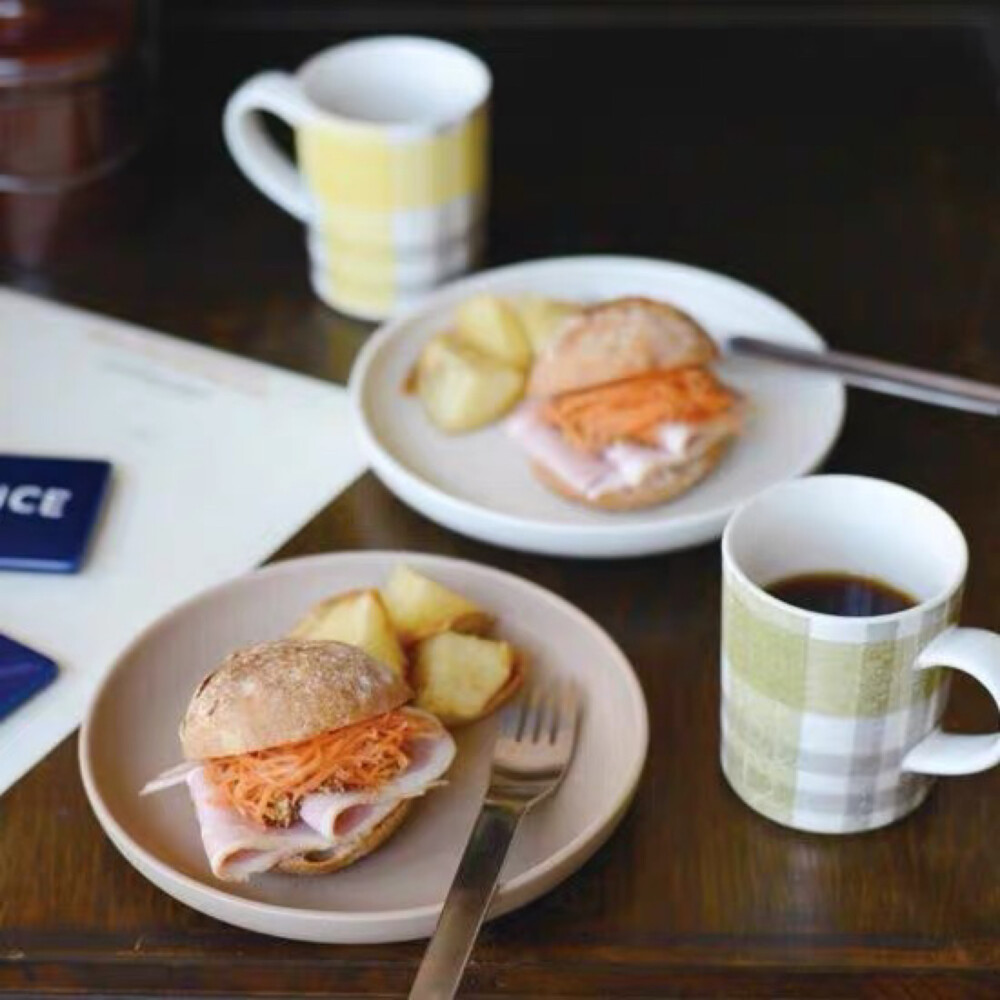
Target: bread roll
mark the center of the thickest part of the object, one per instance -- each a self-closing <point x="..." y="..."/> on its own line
<point x="285" y="691"/>
<point x="617" y="340"/>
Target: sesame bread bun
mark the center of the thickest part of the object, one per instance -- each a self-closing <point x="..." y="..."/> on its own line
<point x="666" y="485"/>
<point x="617" y="340"/>
<point x="285" y="691"/>
<point x="327" y="862"/>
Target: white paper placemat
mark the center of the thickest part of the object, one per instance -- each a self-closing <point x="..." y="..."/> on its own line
<point x="217" y="461"/>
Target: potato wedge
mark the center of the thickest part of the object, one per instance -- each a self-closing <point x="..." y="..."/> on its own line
<point x="490" y="325"/>
<point x="359" y="618"/>
<point x="461" y="678"/>
<point x="420" y="607"/>
<point x="462" y="389"/>
<point x="541" y="318"/>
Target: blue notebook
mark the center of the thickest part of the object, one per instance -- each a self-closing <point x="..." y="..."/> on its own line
<point x="48" y="510"/>
<point x="23" y="672"/>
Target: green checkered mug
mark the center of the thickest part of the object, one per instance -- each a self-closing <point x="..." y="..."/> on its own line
<point x="832" y="724"/>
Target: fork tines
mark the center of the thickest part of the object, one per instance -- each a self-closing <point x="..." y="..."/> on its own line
<point x="547" y="712"/>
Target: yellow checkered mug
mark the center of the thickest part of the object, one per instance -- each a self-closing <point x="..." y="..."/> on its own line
<point x="391" y="138"/>
<point x="833" y="723"/>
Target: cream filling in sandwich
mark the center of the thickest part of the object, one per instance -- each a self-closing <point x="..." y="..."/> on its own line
<point x="622" y="464"/>
<point x="329" y="821"/>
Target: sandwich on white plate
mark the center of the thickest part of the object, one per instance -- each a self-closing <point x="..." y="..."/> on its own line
<point x="303" y="756"/>
<point x="623" y="410"/>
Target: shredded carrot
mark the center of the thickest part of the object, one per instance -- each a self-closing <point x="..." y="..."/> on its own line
<point x="591" y="419"/>
<point x="267" y="785"/>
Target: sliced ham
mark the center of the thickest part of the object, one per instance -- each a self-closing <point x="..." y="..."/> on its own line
<point x="329" y="824"/>
<point x="238" y="848"/>
<point x="353" y="825"/>
<point x="545" y="445"/>
<point x="177" y="775"/>
<point x="430" y="757"/>
<point x="622" y="465"/>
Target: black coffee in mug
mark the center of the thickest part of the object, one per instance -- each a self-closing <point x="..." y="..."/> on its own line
<point x="844" y="594"/>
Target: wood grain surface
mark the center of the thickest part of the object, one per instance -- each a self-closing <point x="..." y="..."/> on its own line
<point x="853" y="174"/>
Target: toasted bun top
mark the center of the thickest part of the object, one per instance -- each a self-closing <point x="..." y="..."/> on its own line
<point x="616" y="340"/>
<point x="283" y="691"/>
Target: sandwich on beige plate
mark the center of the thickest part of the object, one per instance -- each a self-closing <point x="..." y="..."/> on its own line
<point x="333" y="717"/>
<point x="303" y="756"/>
<point x="305" y="753"/>
<point x="587" y="406"/>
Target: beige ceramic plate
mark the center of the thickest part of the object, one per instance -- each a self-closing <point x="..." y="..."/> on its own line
<point x="130" y="734"/>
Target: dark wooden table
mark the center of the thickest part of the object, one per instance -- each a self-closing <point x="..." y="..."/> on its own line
<point x="854" y="174"/>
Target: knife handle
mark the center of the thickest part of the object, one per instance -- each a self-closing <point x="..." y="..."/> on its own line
<point x="878" y="375"/>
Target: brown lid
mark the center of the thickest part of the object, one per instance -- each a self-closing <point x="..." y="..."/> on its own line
<point x="62" y="41"/>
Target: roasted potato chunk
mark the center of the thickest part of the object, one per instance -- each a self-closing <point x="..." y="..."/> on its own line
<point x="420" y="607"/>
<point x="461" y="678"/>
<point x="461" y="388"/>
<point x="359" y="618"/>
<point x="541" y="318"/>
<point x="490" y="325"/>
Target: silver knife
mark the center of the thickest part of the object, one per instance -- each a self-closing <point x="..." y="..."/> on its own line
<point x="880" y="376"/>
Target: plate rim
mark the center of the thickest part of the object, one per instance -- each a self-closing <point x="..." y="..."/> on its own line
<point x="624" y="538"/>
<point x="515" y="892"/>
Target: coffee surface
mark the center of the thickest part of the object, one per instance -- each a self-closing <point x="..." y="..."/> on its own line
<point x="843" y="594"/>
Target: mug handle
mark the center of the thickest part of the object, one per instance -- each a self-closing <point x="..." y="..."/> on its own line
<point x="976" y="652"/>
<point x="254" y="151"/>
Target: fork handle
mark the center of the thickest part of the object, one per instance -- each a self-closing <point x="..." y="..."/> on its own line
<point x="468" y="900"/>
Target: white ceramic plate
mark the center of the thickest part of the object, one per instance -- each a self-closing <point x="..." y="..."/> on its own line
<point x="130" y="734"/>
<point x="480" y="484"/>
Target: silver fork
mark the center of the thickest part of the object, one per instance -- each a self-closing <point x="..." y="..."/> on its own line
<point x="530" y="757"/>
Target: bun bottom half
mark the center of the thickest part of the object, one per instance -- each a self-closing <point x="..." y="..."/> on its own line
<point x="664" y="486"/>
<point x="315" y="863"/>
